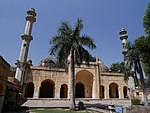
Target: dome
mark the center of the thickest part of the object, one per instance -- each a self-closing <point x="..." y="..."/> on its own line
<point x="48" y="62"/>
<point x="103" y="68"/>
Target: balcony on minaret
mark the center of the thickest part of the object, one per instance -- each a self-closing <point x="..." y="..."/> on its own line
<point x="123" y="34"/>
<point x="31" y="15"/>
<point x="31" y="12"/>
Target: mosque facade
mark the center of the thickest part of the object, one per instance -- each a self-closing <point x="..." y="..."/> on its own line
<point x="94" y="81"/>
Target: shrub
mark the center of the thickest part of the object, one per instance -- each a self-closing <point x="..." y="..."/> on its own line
<point x="135" y="101"/>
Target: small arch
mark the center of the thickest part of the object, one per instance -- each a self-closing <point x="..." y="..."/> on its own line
<point x="1" y="88"/>
<point x="80" y="90"/>
<point x="29" y="90"/>
<point x="63" y="91"/>
<point x="125" y="92"/>
<point x="102" y="94"/>
<point x="47" y="89"/>
<point x="113" y="90"/>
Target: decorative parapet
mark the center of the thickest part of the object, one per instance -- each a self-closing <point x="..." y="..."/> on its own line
<point x="48" y="69"/>
<point x="112" y="74"/>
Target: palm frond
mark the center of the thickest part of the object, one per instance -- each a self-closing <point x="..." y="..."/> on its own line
<point x="87" y="41"/>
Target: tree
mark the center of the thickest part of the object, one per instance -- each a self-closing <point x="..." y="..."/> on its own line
<point x="142" y="45"/>
<point x="133" y="61"/>
<point x="69" y="41"/>
<point x="146" y="20"/>
<point x="117" y="67"/>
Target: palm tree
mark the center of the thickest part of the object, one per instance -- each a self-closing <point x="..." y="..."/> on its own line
<point x="133" y="61"/>
<point x="67" y="42"/>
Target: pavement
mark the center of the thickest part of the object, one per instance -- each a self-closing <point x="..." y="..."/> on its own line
<point x="60" y="103"/>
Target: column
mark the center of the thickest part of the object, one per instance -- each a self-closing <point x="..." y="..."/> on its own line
<point x="36" y="90"/>
<point x="120" y="91"/>
<point x="106" y="92"/>
<point x="57" y="92"/>
<point x="94" y="89"/>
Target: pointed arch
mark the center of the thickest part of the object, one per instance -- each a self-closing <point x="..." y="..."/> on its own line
<point x="63" y="91"/>
<point x="80" y="90"/>
<point x="84" y="77"/>
<point x="29" y="90"/>
<point x="113" y="90"/>
<point x="125" y="92"/>
<point x="47" y="89"/>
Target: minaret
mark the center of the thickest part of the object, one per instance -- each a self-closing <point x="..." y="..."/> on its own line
<point x="123" y="38"/>
<point x="26" y="39"/>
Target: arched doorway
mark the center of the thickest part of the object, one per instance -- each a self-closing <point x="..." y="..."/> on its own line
<point x="63" y="91"/>
<point x="102" y="91"/>
<point x="47" y="89"/>
<point x="1" y="88"/>
<point x="125" y="92"/>
<point x="85" y="78"/>
<point x="29" y="90"/>
<point x="80" y="90"/>
<point x="113" y="90"/>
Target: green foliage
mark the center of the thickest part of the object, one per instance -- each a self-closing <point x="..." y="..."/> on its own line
<point x="117" y="67"/>
<point x="69" y="37"/>
<point x="132" y="62"/>
<point x="146" y="20"/>
<point x="142" y="44"/>
<point x="135" y="101"/>
<point x="69" y="45"/>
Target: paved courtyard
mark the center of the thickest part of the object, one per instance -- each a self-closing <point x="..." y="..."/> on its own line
<point x="49" y="103"/>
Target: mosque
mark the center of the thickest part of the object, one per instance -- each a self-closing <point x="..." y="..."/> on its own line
<point x="48" y="81"/>
<point x="95" y="81"/>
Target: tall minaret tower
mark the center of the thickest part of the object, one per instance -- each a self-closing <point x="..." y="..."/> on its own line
<point x="26" y="39"/>
<point x="123" y="38"/>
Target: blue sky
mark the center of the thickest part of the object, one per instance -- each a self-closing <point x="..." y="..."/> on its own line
<point x="102" y="21"/>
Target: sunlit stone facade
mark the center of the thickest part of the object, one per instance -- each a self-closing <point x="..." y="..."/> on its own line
<point x="94" y="81"/>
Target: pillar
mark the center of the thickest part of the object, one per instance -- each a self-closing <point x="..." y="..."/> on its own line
<point x="94" y="89"/>
<point x="120" y="91"/>
<point x="36" y="90"/>
<point x="106" y="92"/>
<point x="26" y="39"/>
<point x="57" y="92"/>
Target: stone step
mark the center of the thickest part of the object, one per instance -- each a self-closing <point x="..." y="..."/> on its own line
<point x="64" y="103"/>
<point x="96" y="110"/>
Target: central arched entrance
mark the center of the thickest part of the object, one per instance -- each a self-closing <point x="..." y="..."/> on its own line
<point x="29" y="90"/>
<point x="47" y="89"/>
<point x="80" y="90"/>
<point x="84" y="84"/>
<point x="113" y="90"/>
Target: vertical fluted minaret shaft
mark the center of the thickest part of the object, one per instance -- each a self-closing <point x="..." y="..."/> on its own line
<point x="26" y="39"/>
<point x="123" y="38"/>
